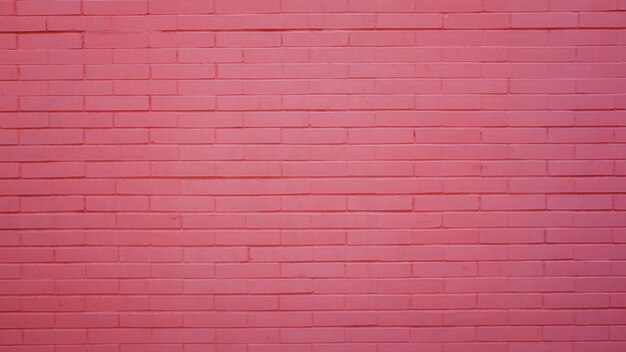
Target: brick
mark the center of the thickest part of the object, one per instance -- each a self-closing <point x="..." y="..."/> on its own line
<point x="76" y="57"/>
<point x="106" y="270"/>
<point x="303" y="238"/>
<point x="320" y="102"/>
<point x="517" y="202"/>
<point x="558" y="83"/>
<point x="449" y="6"/>
<point x="544" y="20"/>
<point x="23" y="24"/>
<point x="572" y="333"/>
<point x="45" y="8"/>
<point x="182" y="204"/>
<point x="92" y="320"/>
<point x="341" y="54"/>
<point x="338" y="21"/>
<point x="235" y="187"/>
<point x="382" y="39"/>
<point x="24" y="88"/>
<point x="315" y="39"/>
<point x="608" y="151"/>
<point x="145" y="221"/>
<point x="576" y="300"/>
<point x="246" y="6"/>
<point x="561" y="5"/>
<point x="247" y="39"/>
<point x="124" y="335"/>
<point x="433" y="135"/>
<point x="476" y="21"/>
<point x="42" y="72"/>
<point x="582" y="135"/>
<point x="514" y="6"/>
<point x="142" y="56"/>
<point x="255" y="136"/>
<point x="514" y="168"/>
<point x="199" y="87"/>
<point x="256" y="103"/>
<point x="465" y="318"/>
<point x="408" y="20"/>
<point x="436" y="334"/>
<point x="540" y="118"/>
<point x="306" y="6"/>
<point x="78" y="87"/>
<point x="448" y="168"/>
<point x="120" y="136"/>
<point x="320" y="302"/>
<point x="166" y="71"/>
<point x="475" y="219"/>
<point x="116" y="103"/>
<point x="448" y="70"/>
<point x="267" y="55"/>
<point x="182" y="136"/>
<point x="65" y="336"/>
<point x="149" y="319"/>
<point x="367" y="136"/>
<point x="236" y="204"/>
<point x="474" y="152"/>
<point x="57" y="103"/>
<point x="259" y="303"/>
<point x="26" y="120"/>
<point x="509" y="333"/>
<point x="173" y="103"/>
<point x="596" y="218"/>
<point x="370" y="203"/>
<point x="182" y="169"/>
<point x="60" y="136"/>
<point x="469" y="185"/>
<point x="508" y="301"/>
<point x="474" y="86"/>
<point x="49" y="41"/>
<point x="125" y="71"/>
<point x="273" y="119"/>
<point x="135" y="7"/>
<point x="180" y="7"/>
<point x="295" y="70"/>
<point x="377" y="335"/>
<point x="48" y="204"/>
<point x="147" y="187"/>
<point x="277" y="152"/>
<point x="144" y="87"/>
<point x="339" y="253"/>
<point x="113" y="40"/>
<point x="579" y="202"/>
<point x="577" y="236"/>
<point x="373" y="6"/>
<point x="270" y="21"/>
<point x="117" y="169"/>
<point x="313" y="203"/>
<point x="209" y="55"/>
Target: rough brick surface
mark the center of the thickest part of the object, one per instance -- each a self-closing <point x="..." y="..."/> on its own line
<point x="313" y="176"/>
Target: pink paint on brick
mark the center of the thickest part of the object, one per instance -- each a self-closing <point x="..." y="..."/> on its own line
<point x="312" y="176"/>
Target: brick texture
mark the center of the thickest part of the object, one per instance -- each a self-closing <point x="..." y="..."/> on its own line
<point x="312" y="176"/>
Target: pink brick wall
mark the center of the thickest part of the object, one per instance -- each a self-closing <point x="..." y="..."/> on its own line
<point x="312" y="176"/>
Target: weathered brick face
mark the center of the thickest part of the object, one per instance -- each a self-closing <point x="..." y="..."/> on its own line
<point x="313" y="176"/>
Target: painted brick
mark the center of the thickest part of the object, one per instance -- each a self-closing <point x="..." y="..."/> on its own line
<point x="309" y="176"/>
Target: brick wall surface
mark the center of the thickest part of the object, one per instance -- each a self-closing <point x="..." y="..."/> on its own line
<point x="313" y="175"/>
